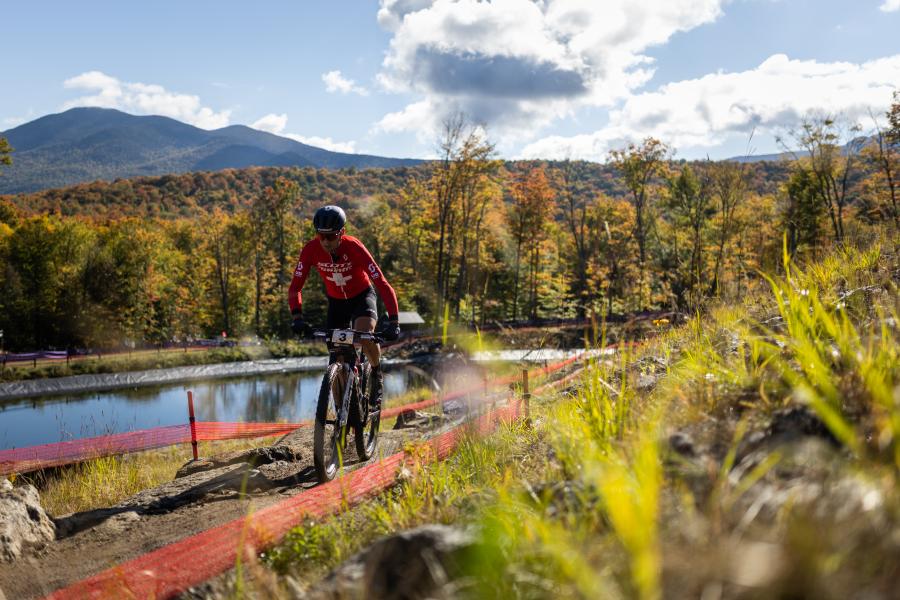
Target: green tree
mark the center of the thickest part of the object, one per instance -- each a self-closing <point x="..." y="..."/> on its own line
<point x="691" y="208"/>
<point x="803" y="212"/>
<point x="574" y="206"/>
<point x="5" y="151"/>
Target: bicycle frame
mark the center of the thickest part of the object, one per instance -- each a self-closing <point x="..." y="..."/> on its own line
<point x="345" y="349"/>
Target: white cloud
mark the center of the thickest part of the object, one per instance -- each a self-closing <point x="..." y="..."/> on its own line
<point x="890" y="6"/>
<point x="325" y="143"/>
<point x="272" y="123"/>
<point x="276" y="124"/>
<point x="108" y="92"/>
<point x="335" y="82"/>
<point x="517" y="65"/>
<point x="10" y="122"/>
<point x="704" y="112"/>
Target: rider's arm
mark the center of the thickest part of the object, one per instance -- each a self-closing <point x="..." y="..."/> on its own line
<point x="301" y="272"/>
<point x="387" y="293"/>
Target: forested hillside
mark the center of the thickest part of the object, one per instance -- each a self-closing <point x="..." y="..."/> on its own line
<point x="88" y="143"/>
<point x="191" y="194"/>
<point x="466" y="237"/>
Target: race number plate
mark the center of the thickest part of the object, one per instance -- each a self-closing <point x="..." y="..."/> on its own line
<point x="342" y="337"/>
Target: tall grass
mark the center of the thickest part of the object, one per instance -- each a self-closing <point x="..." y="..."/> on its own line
<point x="840" y="359"/>
<point x="579" y="504"/>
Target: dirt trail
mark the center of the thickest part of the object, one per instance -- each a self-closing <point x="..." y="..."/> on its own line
<point x="96" y="540"/>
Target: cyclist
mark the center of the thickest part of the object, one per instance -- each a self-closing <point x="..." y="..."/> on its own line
<point x="349" y="273"/>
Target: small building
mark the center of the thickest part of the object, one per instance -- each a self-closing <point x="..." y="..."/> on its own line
<point x="409" y="319"/>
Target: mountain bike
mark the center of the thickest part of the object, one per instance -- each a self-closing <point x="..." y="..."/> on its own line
<point x="344" y="402"/>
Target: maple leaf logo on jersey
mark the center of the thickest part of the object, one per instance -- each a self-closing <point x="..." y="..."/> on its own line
<point x="339" y="280"/>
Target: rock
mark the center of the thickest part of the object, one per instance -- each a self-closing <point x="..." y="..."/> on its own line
<point x="564" y="496"/>
<point x="414" y="418"/>
<point x="787" y="426"/>
<point x="253" y="457"/>
<point x="24" y="526"/>
<point x="646" y="382"/>
<point x="418" y="563"/>
<point x="121" y="522"/>
<point x="682" y="443"/>
<point x="798" y="421"/>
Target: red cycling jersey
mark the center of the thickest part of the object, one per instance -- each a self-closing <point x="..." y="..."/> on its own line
<point x="346" y="273"/>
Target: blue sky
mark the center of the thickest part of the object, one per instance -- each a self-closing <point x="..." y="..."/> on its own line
<point x="552" y="78"/>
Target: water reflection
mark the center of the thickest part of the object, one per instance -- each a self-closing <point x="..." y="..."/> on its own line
<point x="286" y="397"/>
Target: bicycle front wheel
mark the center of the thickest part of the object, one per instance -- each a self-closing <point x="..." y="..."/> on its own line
<point x="365" y="430"/>
<point x="328" y="437"/>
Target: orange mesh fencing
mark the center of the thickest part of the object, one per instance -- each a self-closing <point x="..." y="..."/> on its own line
<point x="32" y="458"/>
<point x="168" y="571"/>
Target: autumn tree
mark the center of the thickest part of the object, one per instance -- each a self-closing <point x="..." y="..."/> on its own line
<point x="270" y="220"/>
<point x="612" y="266"/>
<point x="886" y="155"/>
<point x="464" y="159"/>
<point x="830" y="164"/>
<point x="639" y="164"/>
<point x="226" y="244"/>
<point x="728" y="187"/>
<point x="532" y="206"/>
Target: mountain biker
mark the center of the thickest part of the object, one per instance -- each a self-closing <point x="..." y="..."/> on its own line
<point x="349" y="273"/>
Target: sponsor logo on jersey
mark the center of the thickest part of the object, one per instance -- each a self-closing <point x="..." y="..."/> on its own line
<point x="331" y="267"/>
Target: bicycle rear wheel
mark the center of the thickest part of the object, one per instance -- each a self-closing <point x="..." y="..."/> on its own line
<point x="365" y="430"/>
<point x="328" y="437"/>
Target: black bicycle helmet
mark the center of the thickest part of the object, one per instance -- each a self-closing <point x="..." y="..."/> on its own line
<point x="329" y="219"/>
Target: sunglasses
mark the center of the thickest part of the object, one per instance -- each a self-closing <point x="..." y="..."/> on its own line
<point x="329" y="237"/>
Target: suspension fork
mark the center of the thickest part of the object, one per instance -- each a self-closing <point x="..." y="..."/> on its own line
<point x="350" y="380"/>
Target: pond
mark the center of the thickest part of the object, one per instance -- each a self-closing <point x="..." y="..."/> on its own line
<point x="289" y="397"/>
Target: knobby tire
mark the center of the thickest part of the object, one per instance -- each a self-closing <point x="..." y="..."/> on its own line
<point x="365" y="431"/>
<point x="327" y="446"/>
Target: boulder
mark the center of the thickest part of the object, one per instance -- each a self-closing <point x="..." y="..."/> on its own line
<point x="24" y="526"/>
<point x="418" y="563"/>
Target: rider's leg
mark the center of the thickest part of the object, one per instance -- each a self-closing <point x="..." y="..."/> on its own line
<point x="372" y="350"/>
<point x="373" y="353"/>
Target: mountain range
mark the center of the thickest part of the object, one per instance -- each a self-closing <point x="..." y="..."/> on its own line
<point x="87" y="144"/>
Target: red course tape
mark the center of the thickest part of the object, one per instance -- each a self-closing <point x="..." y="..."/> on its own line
<point x="170" y="570"/>
<point x="166" y="572"/>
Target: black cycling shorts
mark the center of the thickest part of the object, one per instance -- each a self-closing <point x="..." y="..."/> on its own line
<point x="342" y="313"/>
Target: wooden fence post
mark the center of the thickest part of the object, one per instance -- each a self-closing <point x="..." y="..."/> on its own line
<point x="526" y="394"/>
<point x="192" y="422"/>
